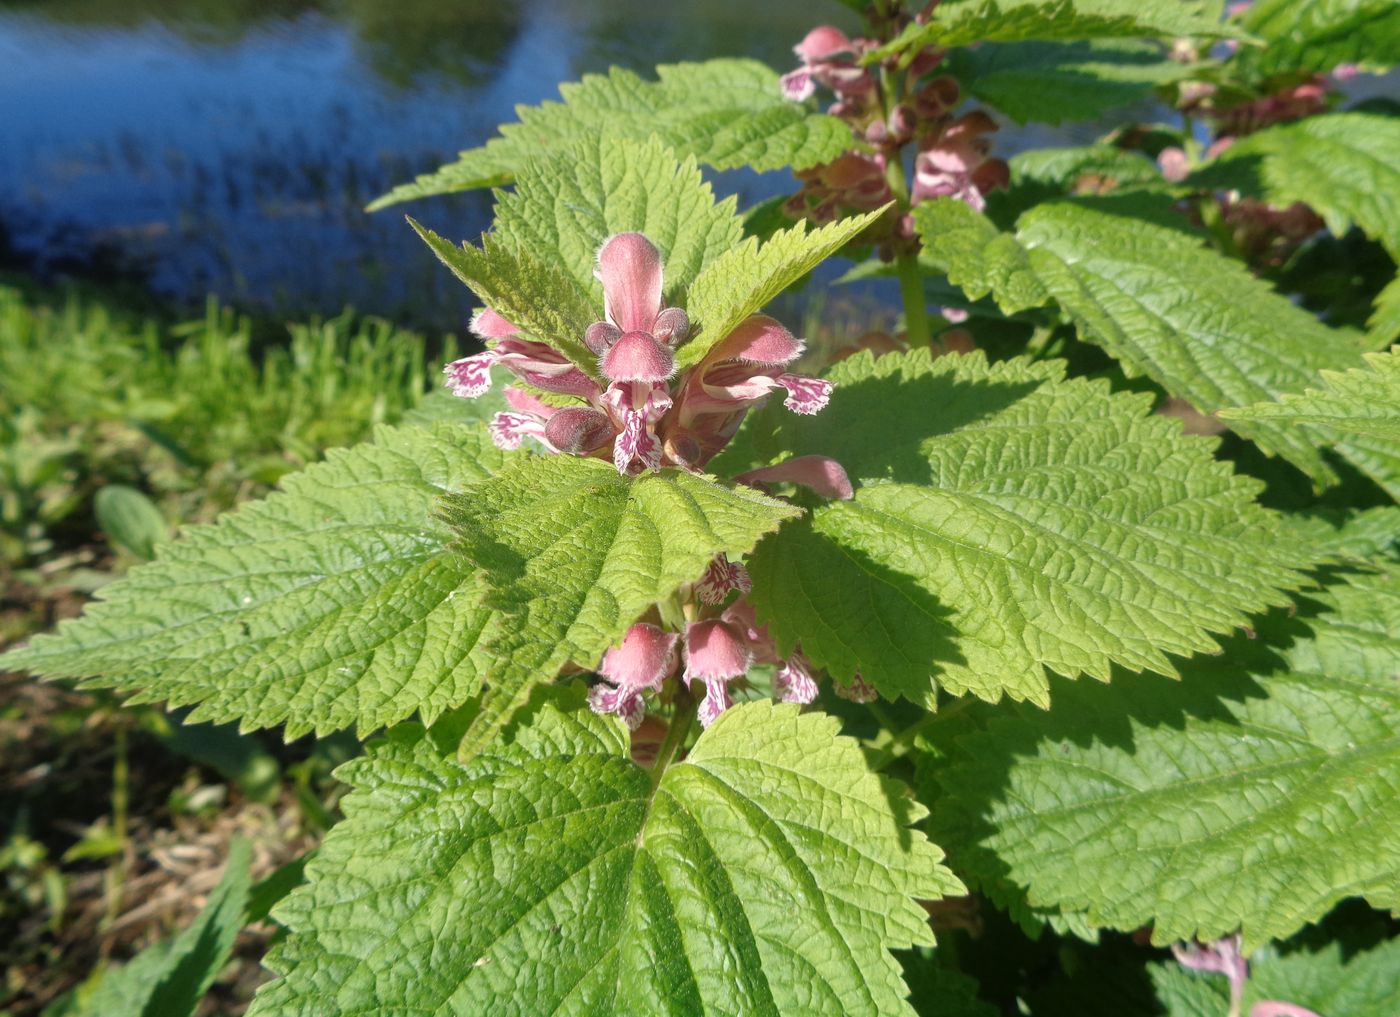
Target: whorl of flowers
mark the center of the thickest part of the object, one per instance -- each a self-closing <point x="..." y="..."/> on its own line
<point x="647" y="415"/>
<point x="952" y="157"/>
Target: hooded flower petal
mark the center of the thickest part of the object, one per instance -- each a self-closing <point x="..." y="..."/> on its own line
<point x="824" y="475"/>
<point x="823" y="43"/>
<point x="740" y="616"/>
<point x="794" y="682"/>
<point x="638" y="356"/>
<point x="714" y="649"/>
<point x="758" y="339"/>
<point x="647" y="655"/>
<point x="630" y="269"/>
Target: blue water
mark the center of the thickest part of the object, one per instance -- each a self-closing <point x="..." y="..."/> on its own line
<point x="228" y="146"/>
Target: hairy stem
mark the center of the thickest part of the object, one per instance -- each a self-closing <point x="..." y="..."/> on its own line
<point x="686" y="706"/>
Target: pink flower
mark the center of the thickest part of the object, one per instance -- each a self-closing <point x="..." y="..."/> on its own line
<point x="857" y="690"/>
<point x="829" y="58"/>
<point x="794" y="682"/>
<point x="1174" y="164"/>
<point x="720" y="579"/>
<point x="644" y="417"/>
<point x="823" y="475"/>
<point x="738" y="373"/>
<point x="643" y="661"/>
<point x="1221" y="957"/>
<point x="716" y="654"/>
<point x="954" y="163"/>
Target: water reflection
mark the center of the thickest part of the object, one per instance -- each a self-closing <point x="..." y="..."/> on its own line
<point x="229" y="145"/>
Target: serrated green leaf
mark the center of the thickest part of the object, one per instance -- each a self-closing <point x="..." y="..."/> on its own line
<point x="1383" y="327"/>
<point x="1345" y="166"/>
<point x="170" y="978"/>
<point x="967" y="247"/>
<point x="574" y="553"/>
<point x="770" y="873"/>
<point x="332" y="603"/>
<point x="745" y="278"/>
<point x="964" y="22"/>
<point x="1063" y="168"/>
<point x="569" y="204"/>
<point x="1348" y="536"/>
<point x="534" y="293"/>
<point x="1357" y="410"/>
<point x="1314" y="36"/>
<point x="1009" y="521"/>
<point x="1055" y="82"/>
<point x="1256" y="793"/>
<point x="1163" y="305"/>
<point x="1362" y="401"/>
<point x="725" y="113"/>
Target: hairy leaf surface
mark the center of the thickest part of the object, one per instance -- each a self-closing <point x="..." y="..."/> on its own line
<point x="1345" y="166"/>
<point x="769" y="873"/>
<point x="726" y="113"/>
<point x="1362" y="401"/>
<point x="963" y="22"/>
<point x="1054" y="82"/>
<point x="1257" y="792"/>
<point x="1315" y="36"/>
<point x="570" y="203"/>
<point x="533" y="292"/>
<point x="332" y="603"/>
<point x="1008" y="521"/>
<point x="1163" y="305"/>
<point x="744" y="278"/>
<point x="575" y="553"/>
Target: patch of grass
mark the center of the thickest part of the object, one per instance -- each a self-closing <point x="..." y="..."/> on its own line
<point x="199" y="414"/>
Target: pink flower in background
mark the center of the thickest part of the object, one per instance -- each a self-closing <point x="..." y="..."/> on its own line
<point x="954" y="163"/>
<point x="829" y="58"/>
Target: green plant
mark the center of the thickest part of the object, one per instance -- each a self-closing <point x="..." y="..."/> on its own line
<point x="584" y="799"/>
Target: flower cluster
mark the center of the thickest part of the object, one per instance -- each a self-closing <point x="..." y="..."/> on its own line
<point x="952" y="152"/>
<point x="645" y="414"/>
<point x="718" y="650"/>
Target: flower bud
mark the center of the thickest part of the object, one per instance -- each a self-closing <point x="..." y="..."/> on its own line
<point x="578" y="429"/>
